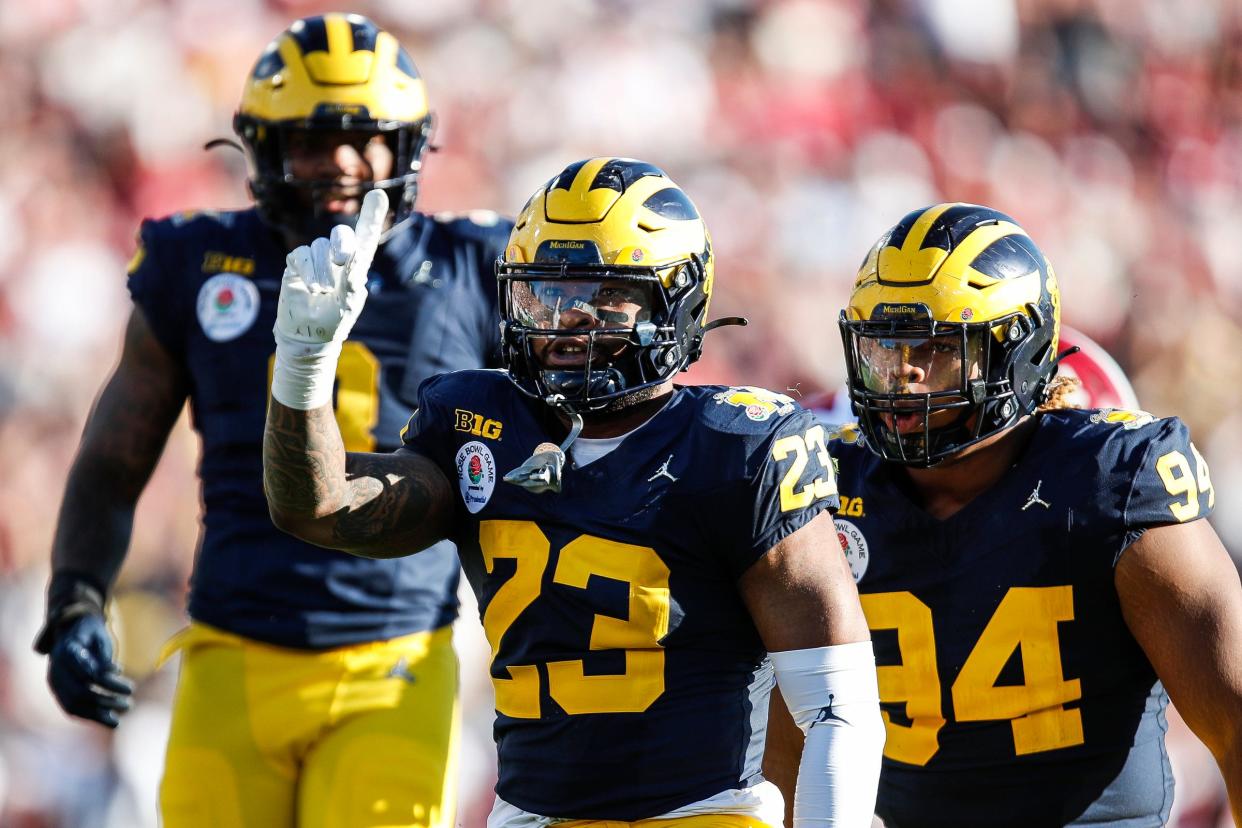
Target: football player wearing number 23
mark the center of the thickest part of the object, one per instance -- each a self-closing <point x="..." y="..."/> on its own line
<point x="1039" y="580"/>
<point x="316" y="689"/>
<point x="633" y="579"/>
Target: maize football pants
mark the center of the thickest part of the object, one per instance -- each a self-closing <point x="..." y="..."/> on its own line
<point x="356" y="737"/>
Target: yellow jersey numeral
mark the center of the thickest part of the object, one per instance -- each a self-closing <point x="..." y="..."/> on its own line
<point x="638" y="633"/>
<point x="523" y="542"/>
<point x="1026" y="620"/>
<point x="914" y="681"/>
<point x="1179" y="481"/>
<point x="800" y="446"/>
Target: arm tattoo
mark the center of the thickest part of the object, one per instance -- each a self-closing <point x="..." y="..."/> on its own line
<point x="303" y="461"/>
<point x="375" y="505"/>
<point x="406" y="509"/>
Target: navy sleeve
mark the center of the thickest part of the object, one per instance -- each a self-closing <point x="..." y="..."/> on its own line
<point x="1172" y="483"/>
<point x="494" y="243"/>
<point x="450" y="332"/>
<point x="429" y="430"/>
<point x="155" y="289"/>
<point x="458" y="324"/>
<point x="789" y="480"/>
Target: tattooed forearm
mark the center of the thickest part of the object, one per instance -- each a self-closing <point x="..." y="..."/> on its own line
<point x="407" y="510"/>
<point x="303" y="462"/>
<point x="376" y="505"/>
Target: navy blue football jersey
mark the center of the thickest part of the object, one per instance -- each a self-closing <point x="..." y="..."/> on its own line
<point x="1012" y="689"/>
<point x="630" y="679"/>
<point x="207" y="284"/>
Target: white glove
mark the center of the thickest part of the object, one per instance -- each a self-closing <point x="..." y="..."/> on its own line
<point x="321" y="295"/>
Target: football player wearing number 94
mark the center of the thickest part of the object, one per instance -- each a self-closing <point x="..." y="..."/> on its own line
<point x="1039" y="580"/>
<point x="632" y="579"/>
<point x="316" y="689"/>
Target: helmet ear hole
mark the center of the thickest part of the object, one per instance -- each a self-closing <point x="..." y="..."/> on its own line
<point x="1042" y="354"/>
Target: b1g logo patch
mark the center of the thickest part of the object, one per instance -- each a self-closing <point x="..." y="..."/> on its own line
<point x="477" y="424"/>
<point x="758" y="403"/>
<point x="854" y="546"/>
<point x="228" y="304"/>
<point x="851" y="507"/>
<point x="476" y="475"/>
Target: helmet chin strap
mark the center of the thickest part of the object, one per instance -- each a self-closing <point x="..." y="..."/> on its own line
<point x="543" y="470"/>
<point x="223" y="142"/>
<point x="740" y="321"/>
<point x="1068" y="352"/>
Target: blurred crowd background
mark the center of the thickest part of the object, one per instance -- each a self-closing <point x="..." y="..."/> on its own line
<point x="1111" y="129"/>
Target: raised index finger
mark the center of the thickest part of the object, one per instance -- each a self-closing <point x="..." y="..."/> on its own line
<point x="370" y="227"/>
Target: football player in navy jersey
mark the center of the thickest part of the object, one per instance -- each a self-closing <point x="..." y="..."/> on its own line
<point x="633" y="579"/>
<point x="1038" y="580"/>
<point x="316" y="688"/>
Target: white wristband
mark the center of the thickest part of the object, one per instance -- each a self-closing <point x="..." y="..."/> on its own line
<point x="304" y="375"/>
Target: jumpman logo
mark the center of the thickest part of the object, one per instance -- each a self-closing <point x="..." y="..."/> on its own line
<point x="663" y="472"/>
<point x="1035" y="499"/>
<point x="401" y="670"/>
<point x="826" y="714"/>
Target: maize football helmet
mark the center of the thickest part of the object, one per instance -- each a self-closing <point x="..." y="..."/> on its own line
<point x="604" y="285"/>
<point x="330" y="72"/>
<point x="951" y="332"/>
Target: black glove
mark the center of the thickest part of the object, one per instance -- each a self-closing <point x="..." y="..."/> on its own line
<point x="84" y="679"/>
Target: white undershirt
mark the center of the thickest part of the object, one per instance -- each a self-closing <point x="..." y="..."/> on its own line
<point x="586" y="450"/>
